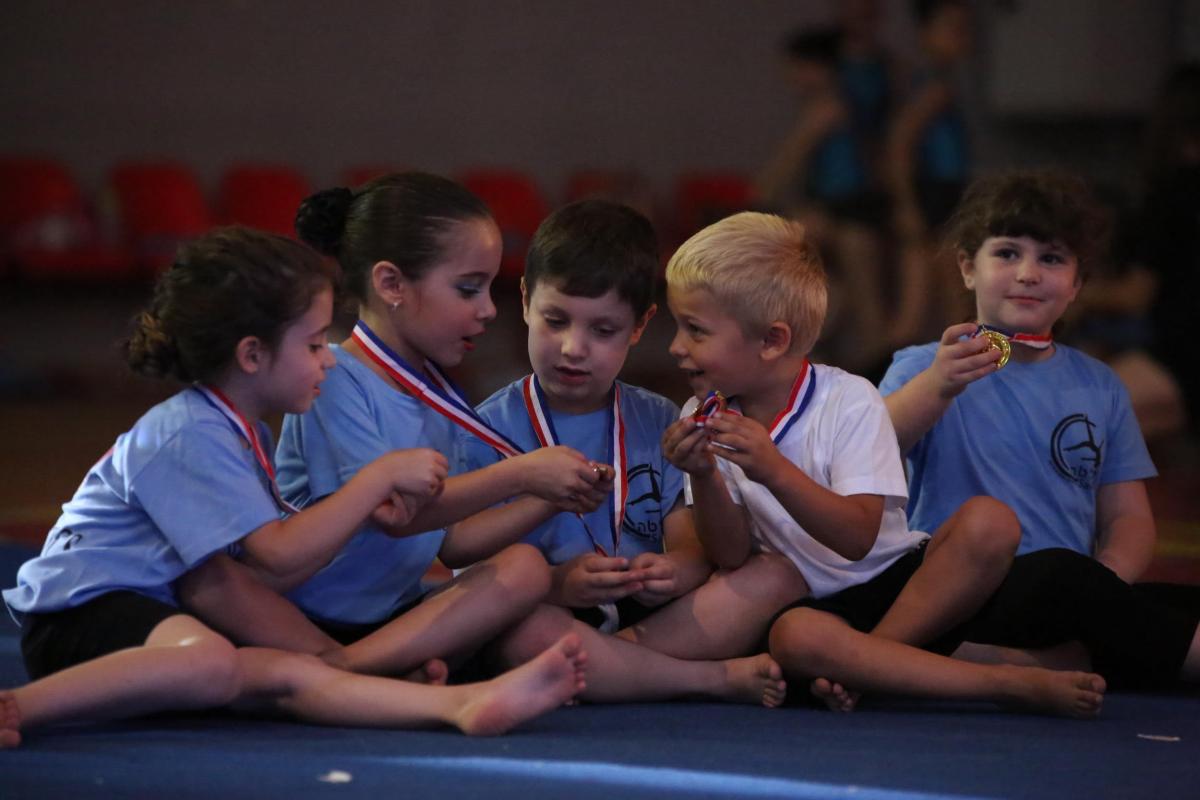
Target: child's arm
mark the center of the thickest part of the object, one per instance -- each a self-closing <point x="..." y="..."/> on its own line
<point x="305" y="541"/>
<point x="910" y="122"/>
<point x="1125" y="525"/>
<point x="919" y="404"/>
<point x="558" y="475"/>
<point x="847" y="525"/>
<point x="787" y="166"/>
<point x="721" y="525"/>
<point x="680" y="568"/>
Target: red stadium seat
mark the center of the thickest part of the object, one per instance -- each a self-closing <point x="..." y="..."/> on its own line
<point x="518" y="206"/>
<point x="160" y="205"/>
<point x="702" y="198"/>
<point x="359" y="174"/>
<point x="47" y="228"/>
<point x="263" y="196"/>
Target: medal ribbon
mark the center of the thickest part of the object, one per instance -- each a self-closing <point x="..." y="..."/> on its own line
<point x="217" y="399"/>
<point x="798" y="400"/>
<point x="543" y="428"/>
<point x="1028" y="339"/>
<point x="442" y="396"/>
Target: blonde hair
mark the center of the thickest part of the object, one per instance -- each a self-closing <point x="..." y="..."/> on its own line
<point x="761" y="269"/>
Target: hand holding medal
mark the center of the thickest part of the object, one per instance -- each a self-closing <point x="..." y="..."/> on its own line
<point x="998" y="342"/>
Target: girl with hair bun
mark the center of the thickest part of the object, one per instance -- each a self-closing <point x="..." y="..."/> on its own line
<point x="242" y="318"/>
<point x="418" y="254"/>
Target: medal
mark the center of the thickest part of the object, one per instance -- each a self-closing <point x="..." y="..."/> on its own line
<point x="998" y="342"/>
<point x="714" y="403"/>
<point x="543" y="428"/>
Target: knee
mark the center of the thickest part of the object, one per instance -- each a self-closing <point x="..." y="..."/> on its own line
<point x="523" y="569"/>
<point x="542" y="628"/>
<point x="215" y="672"/>
<point x="989" y="528"/>
<point x="797" y="640"/>
<point x="768" y="578"/>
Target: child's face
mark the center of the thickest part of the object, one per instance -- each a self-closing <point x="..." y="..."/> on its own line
<point x="451" y="304"/>
<point x="1021" y="284"/>
<point x="710" y="345"/>
<point x="296" y="366"/>
<point x="577" y="345"/>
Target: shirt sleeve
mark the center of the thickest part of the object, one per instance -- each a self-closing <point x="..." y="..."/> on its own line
<point x="906" y="365"/>
<point x="1127" y="458"/>
<point x="341" y="434"/>
<point x="866" y="455"/>
<point x="204" y="491"/>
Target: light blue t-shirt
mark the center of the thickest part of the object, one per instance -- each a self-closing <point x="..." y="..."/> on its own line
<point x="1042" y="437"/>
<point x="357" y="418"/>
<point x="654" y="483"/>
<point x="179" y="486"/>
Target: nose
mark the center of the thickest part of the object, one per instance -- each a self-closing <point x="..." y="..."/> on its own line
<point x="676" y="348"/>
<point x="1028" y="270"/>
<point x="487" y="310"/>
<point x="574" y="342"/>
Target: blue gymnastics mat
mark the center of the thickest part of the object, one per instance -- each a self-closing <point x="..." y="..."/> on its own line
<point x="1142" y="746"/>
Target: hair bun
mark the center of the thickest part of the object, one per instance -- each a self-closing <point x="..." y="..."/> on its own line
<point x="321" y="219"/>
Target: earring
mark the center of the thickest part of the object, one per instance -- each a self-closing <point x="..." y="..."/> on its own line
<point x="395" y="305"/>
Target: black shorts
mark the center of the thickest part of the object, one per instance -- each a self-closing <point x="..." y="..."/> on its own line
<point x="864" y="605"/>
<point x="629" y="612"/>
<point x="111" y="622"/>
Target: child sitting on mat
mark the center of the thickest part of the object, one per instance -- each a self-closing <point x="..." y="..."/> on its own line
<point x="633" y="566"/>
<point x="242" y="317"/>
<point x="805" y="463"/>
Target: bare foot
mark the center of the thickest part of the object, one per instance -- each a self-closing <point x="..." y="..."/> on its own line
<point x="756" y="679"/>
<point x="533" y="688"/>
<point x="433" y="672"/>
<point x="10" y="720"/>
<point x="1068" y="694"/>
<point x="835" y="696"/>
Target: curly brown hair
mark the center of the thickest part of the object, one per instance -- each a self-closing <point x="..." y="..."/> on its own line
<point x="1049" y="205"/>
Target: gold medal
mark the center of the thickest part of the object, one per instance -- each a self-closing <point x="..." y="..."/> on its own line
<point x="1000" y="342"/>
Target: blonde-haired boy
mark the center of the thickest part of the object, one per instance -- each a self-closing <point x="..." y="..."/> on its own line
<point x="805" y="463"/>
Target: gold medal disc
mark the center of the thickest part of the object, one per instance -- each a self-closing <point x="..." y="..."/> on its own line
<point x="1001" y="343"/>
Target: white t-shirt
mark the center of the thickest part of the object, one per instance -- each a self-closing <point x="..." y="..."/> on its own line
<point x="845" y="442"/>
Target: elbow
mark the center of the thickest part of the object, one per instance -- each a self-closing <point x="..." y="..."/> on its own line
<point x="858" y="547"/>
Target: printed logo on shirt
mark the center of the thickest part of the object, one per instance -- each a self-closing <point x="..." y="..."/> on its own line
<point x="643" y="510"/>
<point x="1074" y="450"/>
<point x="65" y="538"/>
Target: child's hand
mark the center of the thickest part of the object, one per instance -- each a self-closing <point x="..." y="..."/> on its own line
<point x="746" y="443"/>
<point x="419" y="472"/>
<point x="589" y="500"/>
<point x="397" y="511"/>
<point x="685" y="444"/>
<point x="562" y="476"/>
<point x="658" y="579"/>
<point x="962" y="361"/>
<point x="591" y="579"/>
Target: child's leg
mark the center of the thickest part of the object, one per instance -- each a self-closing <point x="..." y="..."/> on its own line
<point x="965" y="561"/>
<point x="468" y="611"/>
<point x="621" y="671"/>
<point x="809" y="643"/>
<point x="230" y="597"/>
<point x="725" y="617"/>
<point x="183" y="665"/>
<point x="308" y="689"/>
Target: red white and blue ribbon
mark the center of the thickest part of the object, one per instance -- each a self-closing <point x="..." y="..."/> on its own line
<point x="217" y="399"/>
<point x="1036" y="341"/>
<point x="441" y="395"/>
<point x="543" y="428"/>
<point x="798" y="400"/>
